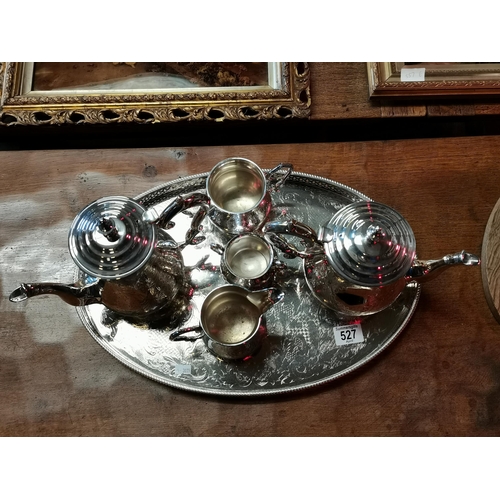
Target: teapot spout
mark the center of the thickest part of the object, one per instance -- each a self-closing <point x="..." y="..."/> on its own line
<point x="424" y="270"/>
<point x="71" y="294"/>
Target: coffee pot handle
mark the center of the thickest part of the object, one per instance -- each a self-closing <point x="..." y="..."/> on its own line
<point x="274" y="230"/>
<point x="179" y="205"/>
<point x="275" y="178"/>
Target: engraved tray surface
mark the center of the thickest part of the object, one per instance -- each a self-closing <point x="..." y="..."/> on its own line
<point x="300" y="351"/>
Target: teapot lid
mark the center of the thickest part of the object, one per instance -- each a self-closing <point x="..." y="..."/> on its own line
<point x="369" y="243"/>
<point x="108" y="238"/>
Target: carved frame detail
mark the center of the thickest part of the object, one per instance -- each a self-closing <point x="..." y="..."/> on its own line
<point x="292" y="100"/>
<point x="453" y="80"/>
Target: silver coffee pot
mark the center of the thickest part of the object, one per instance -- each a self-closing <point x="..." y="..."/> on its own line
<point x="360" y="261"/>
<point x="133" y="267"/>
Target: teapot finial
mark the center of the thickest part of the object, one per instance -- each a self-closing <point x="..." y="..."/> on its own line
<point x="107" y="227"/>
<point x="375" y="234"/>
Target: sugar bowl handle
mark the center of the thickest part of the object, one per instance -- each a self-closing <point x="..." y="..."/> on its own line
<point x="274" y="230"/>
<point x="275" y="178"/>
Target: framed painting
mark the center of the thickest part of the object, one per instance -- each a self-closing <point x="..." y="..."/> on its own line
<point x="433" y="79"/>
<point x="142" y="92"/>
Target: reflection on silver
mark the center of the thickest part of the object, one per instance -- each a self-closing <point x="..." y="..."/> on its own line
<point x="299" y="351"/>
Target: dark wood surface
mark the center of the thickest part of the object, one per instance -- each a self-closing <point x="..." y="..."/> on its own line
<point x="441" y="377"/>
<point x="340" y="91"/>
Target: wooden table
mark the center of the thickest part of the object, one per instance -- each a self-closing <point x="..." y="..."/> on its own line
<point x="441" y="377"/>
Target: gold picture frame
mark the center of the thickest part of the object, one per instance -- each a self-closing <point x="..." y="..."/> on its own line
<point x="286" y="94"/>
<point x="440" y="79"/>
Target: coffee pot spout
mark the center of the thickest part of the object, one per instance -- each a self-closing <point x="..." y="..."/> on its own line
<point x="425" y="270"/>
<point x="71" y="294"/>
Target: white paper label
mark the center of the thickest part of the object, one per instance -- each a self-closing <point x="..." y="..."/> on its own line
<point x="182" y="370"/>
<point x="348" y="334"/>
<point x="413" y="74"/>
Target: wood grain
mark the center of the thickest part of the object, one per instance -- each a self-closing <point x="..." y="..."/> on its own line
<point x="439" y="378"/>
<point x="490" y="269"/>
<point x="340" y="91"/>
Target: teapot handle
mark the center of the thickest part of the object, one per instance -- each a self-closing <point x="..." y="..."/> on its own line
<point x="179" y="205"/>
<point x="273" y="230"/>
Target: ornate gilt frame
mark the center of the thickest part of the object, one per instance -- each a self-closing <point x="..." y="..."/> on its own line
<point x="290" y="99"/>
<point x="450" y="79"/>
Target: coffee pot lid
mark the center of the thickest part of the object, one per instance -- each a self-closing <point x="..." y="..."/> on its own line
<point x="108" y="238"/>
<point x="369" y="243"/>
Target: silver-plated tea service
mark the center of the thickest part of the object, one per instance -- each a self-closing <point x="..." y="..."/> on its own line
<point x="356" y="264"/>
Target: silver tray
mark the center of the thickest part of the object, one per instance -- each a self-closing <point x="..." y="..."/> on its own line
<point x="300" y="351"/>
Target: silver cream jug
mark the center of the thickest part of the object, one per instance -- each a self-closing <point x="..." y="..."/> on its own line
<point x="232" y="322"/>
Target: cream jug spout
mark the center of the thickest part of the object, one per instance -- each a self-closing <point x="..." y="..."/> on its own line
<point x="425" y="270"/>
<point x="265" y="299"/>
<point x="71" y="294"/>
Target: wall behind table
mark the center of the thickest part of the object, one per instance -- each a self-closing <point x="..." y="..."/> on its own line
<point x="341" y="110"/>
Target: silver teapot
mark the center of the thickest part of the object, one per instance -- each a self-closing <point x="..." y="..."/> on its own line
<point x="132" y="266"/>
<point x="360" y="261"/>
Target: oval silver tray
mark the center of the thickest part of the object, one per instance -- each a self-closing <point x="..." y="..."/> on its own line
<point x="300" y="351"/>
